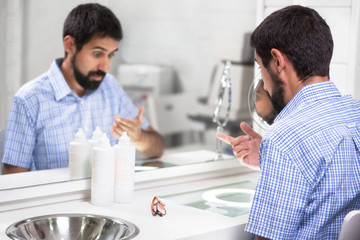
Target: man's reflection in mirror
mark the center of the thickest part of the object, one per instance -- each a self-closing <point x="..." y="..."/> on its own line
<point x="263" y="105"/>
<point x="76" y="92"/>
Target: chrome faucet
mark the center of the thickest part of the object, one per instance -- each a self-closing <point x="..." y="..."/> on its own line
<point x="225" y="83"/>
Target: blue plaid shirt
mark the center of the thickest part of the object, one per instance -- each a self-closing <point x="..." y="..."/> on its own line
<point x="310" y="167"/>
<point x="46" y="114"/>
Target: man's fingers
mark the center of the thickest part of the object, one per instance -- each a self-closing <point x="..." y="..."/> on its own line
<point x="225" y="138"/>
<point x="124" y="123"/>
<point x="140" y="116"/>
<point x="239" y="140"/>
<point x="242" y="154"/>
<point x="241" y="146"/>
<point x="249" y="131"/>
<point x="115" y="132"/>
<point x="118" y="128"/>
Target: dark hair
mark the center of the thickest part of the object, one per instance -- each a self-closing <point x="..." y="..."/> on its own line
<point x="301" y="34"/>
<point x="87" y="20"/>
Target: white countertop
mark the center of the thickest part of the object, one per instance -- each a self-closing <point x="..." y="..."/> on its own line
<point x="181" y="222"/>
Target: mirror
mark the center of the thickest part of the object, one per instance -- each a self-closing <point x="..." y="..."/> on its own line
<point x="260" y="105"/>
<point x="175" y="33"/>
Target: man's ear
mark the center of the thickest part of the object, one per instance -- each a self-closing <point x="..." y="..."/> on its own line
<point x="279" y="58"/>
<point x="69" y="45"/>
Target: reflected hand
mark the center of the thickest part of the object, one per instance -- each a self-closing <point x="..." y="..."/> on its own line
<point x="131" y="127"/>
<point x="245" y="147"/>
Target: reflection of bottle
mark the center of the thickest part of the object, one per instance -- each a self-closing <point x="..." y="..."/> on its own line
<point x="94" y="141"/>
<point x="102" y="180"/>
<point x="124" y="170"/>
<point x="97" y="134"/>
<point x="79" y="155"/>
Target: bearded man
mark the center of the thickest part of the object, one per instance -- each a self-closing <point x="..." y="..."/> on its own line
<point x="309" y="157"/>
<point x="76" y="92"/>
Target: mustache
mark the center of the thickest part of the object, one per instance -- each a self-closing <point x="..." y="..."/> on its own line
<point x="98" y="72"/>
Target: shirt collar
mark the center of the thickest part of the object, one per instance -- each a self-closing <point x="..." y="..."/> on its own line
<point x="59" y="84"/>
<point x="57" y="80"/>
<point x="310" y="93"/>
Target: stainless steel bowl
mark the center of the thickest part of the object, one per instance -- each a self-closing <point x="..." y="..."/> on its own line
<point x="72" y="227"/>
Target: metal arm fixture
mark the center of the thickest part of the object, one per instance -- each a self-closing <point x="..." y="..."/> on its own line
<point x="224" y="84"/>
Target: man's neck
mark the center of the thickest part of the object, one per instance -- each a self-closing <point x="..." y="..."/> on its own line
<point x="68" y="74"/>
<point x="296" y="85"/>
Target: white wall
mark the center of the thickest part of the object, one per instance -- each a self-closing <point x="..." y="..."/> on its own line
<point x="11" y="58"/>
<point x="191" y="36"/>
<point x="2" y="64"/>
<point x="184" y="34"/>
<point x="343" y="18"/>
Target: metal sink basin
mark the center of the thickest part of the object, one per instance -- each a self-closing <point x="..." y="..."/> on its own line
<point x="72" y="227"/>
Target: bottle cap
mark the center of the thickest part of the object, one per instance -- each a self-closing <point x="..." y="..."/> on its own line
<point x="97" y="134"/>
<point x="104" y="141"/>
<point x="124" y="139"/>
<point x="80" y="136"/>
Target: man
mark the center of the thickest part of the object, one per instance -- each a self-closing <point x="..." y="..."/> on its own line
<point x="263" y="105"/>
<point x="76" y="92"/>
<point x="309" y="158"/>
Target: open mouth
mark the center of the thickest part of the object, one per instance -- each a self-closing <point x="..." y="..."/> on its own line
<point x="98" y="77"/>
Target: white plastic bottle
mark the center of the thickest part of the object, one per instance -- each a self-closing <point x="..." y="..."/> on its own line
<point x="95" y="140"/>
<point x="102" y="180"/>
<point x="96" y="135"/>
<point x="124" y="170"/>
<point x="79" y="155"/>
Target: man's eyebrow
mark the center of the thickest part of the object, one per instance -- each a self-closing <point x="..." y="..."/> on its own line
<point x="115" y="50"/>
<point x="103" y="49"/>
<point x="100" y="48"/>
<point x="255" y="60"/>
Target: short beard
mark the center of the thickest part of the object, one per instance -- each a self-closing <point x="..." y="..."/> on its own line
<point x="85" y="81"/>
<point x="277" y="97"/>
